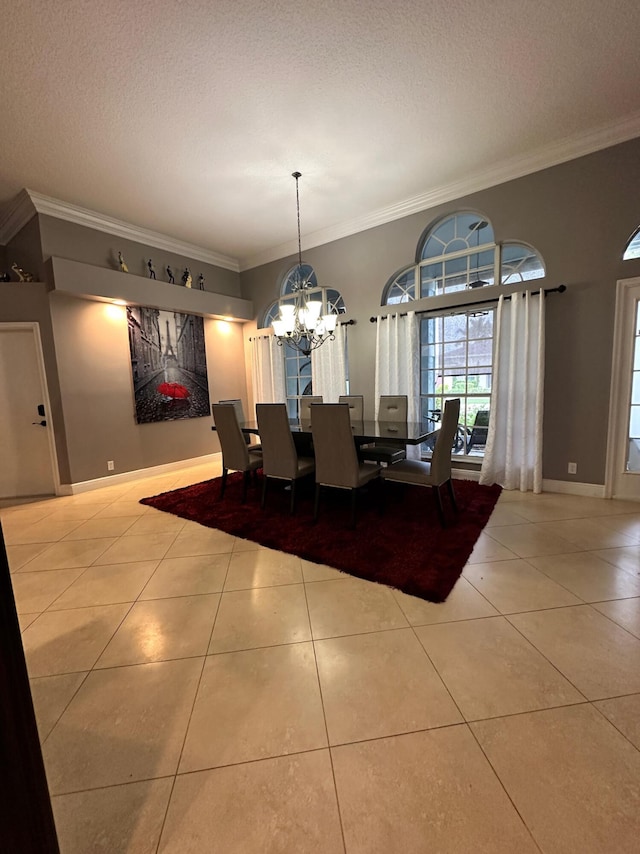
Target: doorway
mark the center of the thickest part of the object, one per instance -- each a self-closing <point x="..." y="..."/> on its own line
<point x="29" y="466"/>
<point x="623" y="447"/>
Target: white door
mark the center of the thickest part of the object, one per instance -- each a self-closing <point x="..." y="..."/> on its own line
<point x="623" y="453"/>
<point x="26" y="446"/>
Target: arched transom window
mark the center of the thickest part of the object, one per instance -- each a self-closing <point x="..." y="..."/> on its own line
<point x="459" y="252"/>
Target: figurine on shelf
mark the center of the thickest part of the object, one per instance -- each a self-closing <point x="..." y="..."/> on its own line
<point x="170" y="275"/>
<point x="22" y="275"/>
<point x="201" y="282"/>
<point x="5" y="277"/>
<point x="152" y="269"/>
<point x="186" y="278"/>
<point x="123" y="266"/>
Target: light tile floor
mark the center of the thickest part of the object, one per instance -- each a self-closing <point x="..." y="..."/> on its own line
<point x="197" y="693"/>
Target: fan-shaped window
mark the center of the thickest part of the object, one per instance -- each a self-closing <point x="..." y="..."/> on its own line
<point x="301" y="274"/>
<point x="519" y="263"/>
<point x="633" y="246"/>
<point x="457" y="233"/>
<point x="402" y="288"/>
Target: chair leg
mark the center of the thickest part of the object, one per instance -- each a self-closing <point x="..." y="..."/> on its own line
<point x="264" y="491"/>
<point x="438" y="500"/>
<point x="452" y="495"/>
<point x="354" y="500"/>
<point x="292" y="507"/>
<point x="225" y="472"/>
<point x="316" y="503"/>
<point x="245" y="483"/>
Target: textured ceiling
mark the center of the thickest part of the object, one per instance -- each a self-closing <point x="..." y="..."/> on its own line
<point x="187" y="118"/>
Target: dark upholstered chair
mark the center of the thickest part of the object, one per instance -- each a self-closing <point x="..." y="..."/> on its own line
<point x="236" y="455"/>
<point x="393" y="409"/>
<point x="237" y="404"/>
<point x="337" y="462"/>
<point x="437" y="472"/>
<point x="479" y="431"/>
<point x="280" y="458"/>
<point x="355" y="402"/>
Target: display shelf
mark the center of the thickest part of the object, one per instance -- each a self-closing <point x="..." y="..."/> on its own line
<point x="98" y="283"/>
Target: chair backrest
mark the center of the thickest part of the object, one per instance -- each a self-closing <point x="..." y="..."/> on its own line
<point x="279" y="455"/>
<point x="355" y="403"/>
<point x="334" y="446"/>
<point x="393" y="407"/>
<point x="305" y="406"/>
<point x="237" y="405"/>
<point x="234" y="448"/>
<point x="441" y="457"/>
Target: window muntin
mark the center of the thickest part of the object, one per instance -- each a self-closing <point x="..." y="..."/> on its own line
<point x="456" y="360"/>
<point x="633" y="246"/>
<point x="297" y="368"/>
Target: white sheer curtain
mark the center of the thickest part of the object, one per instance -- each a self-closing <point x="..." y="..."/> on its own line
<point x="398" y="364"/>
<point x="329" y="367"/>
<point x="267" y="370"/>
<point x="513" y="455"/>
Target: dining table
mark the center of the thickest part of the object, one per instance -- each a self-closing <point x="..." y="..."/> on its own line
<point x="409" y="432"/>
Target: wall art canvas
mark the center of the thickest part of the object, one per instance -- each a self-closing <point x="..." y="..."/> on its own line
<point x="168" y="364"/>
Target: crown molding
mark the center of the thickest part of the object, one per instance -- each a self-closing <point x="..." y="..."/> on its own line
<point x="28" y="202"/>
<point x="561" y="151"/>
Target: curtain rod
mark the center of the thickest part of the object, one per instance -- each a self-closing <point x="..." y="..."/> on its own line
<point x="453" y="308"/>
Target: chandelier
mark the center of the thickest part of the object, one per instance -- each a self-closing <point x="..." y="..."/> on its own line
<point x="305" y="320"/>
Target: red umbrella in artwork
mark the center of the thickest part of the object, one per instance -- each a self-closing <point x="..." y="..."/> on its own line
<point x="174" y="390"/>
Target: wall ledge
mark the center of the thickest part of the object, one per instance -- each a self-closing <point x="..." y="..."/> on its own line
<point x="99" y="283"/>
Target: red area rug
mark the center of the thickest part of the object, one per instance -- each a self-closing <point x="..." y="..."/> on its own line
<point x="398" y="542"/>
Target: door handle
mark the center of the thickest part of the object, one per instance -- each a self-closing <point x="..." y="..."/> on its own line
<point x="42" y="423"/>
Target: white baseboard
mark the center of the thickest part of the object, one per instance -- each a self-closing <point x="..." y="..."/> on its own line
<point x="589" y="490"/>
<point x="128" y="476"/>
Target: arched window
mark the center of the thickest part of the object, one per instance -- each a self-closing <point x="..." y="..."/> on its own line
<point x="633" y="246"/>
<point x="457" y="253"/>
<point x="298" y="377"/>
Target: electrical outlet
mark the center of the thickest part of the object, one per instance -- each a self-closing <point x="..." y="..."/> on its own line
<point x="573" y="468"/>
<point x="109" y="465"/>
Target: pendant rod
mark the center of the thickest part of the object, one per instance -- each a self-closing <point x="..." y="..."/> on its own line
<point x="297" y="175"/>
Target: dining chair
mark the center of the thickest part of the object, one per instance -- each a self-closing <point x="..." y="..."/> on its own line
<point x="437" y="472"/>
<point x="305" y="406"/>
<point x="280" y="458"/>
<point x="237" y="405"/>
<point x="236" y="455"/>
<point x="393" y="408"/>
<point x="337" y="462"/>
<point x="355" y="403"/>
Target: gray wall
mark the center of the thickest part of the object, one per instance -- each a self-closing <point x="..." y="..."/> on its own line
<point x="579" y="216"/>
<point x="86" y="353"/>
<point x="92" y="353"/>
<point x="24" y="250"/>
<point x="63" y="239"/>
